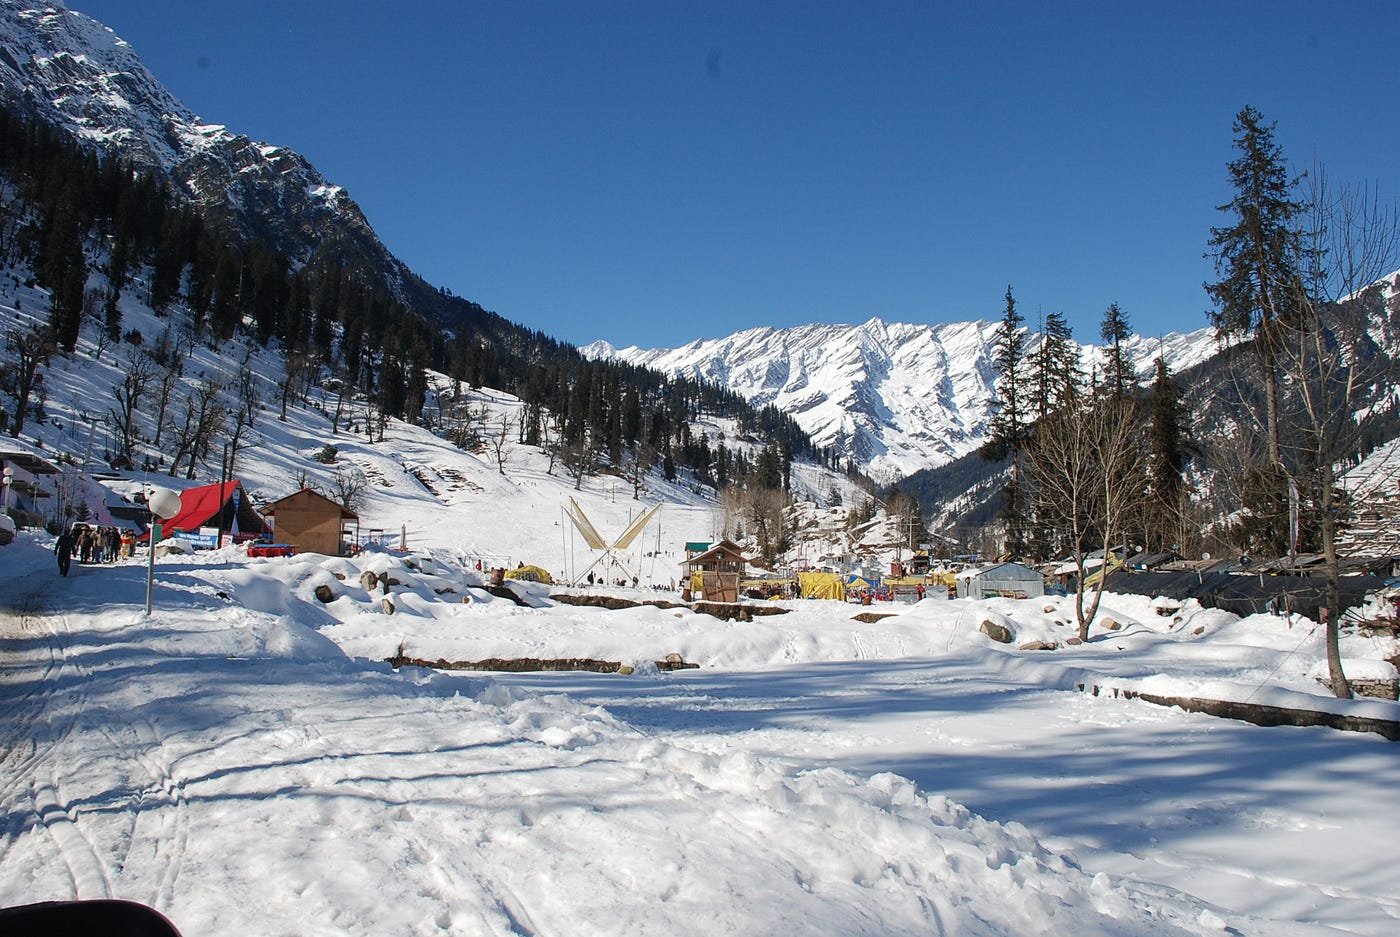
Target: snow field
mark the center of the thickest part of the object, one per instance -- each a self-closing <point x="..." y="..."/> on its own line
<point x="224" y="765"/>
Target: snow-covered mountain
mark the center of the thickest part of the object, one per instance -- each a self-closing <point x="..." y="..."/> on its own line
<point x="69" y="70"/>
<point x="897" y="397"/>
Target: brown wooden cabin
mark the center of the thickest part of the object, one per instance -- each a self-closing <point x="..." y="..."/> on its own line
<point x="311" y="522"/>
<point x="721" y="567"/>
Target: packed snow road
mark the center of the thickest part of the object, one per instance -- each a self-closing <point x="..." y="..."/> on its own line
<point x="229" y="765"/>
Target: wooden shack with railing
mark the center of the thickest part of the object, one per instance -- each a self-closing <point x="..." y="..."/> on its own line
<point x="715" y="574"/>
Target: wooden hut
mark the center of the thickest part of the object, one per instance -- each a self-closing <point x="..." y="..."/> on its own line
<point x="310" y="522"/>
<point x="719" y="570"/>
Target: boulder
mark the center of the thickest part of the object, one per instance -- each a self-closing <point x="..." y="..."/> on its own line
<point x="999" y="633"/>
<point x="324" y="593"/>
<point x="387" y="603"/>
<point x="368" y="580"/>
<point x="1112" y="624"/>
<point x="1039" y="646"/>
<point x="1074" y="641"/>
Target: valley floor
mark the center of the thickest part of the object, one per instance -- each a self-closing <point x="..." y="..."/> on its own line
<point x="226" y="762"/>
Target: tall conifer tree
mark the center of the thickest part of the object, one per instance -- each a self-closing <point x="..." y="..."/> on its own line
<point x="1257" y="256"/>
<point x="1167" y="455"/>
<point x="1009" y="423"/>
<point x="1118" y="377"/>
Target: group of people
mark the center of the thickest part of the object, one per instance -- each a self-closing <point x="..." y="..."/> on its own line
<point x="89" y="544"/>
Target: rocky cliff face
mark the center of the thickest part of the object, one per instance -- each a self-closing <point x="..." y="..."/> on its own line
<point x="897" y="397"/>
<point x="67" y="69"/>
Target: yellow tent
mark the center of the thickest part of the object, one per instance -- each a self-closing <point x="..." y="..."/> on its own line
<point x="822" y="586"/>
<point x="530" y="574"/>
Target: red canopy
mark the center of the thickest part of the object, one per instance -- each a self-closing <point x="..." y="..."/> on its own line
<point x="201" y="507"/>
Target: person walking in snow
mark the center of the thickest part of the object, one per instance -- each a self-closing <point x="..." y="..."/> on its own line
<point x="64" y="551"/>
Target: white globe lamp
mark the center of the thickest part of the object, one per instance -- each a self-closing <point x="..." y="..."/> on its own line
<point x="164" y="504"/>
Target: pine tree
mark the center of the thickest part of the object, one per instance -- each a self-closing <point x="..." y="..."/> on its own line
<point x="1167" y="454"/>
<point x="1118" y="377"/>
<point x="1008" y="426"/>
<point x="1257" y="256"/>
<point x="1055" y="371"/>
<point x="1008" y="430"/>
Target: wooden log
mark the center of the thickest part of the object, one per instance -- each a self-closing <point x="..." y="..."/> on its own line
<point x="1261" y="715"/>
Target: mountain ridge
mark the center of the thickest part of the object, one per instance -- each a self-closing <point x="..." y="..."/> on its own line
<point x="67" y="69"/>
<point x="897" y="397"/>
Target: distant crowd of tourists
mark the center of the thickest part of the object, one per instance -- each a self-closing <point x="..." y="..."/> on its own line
<point x="89" y="544"/>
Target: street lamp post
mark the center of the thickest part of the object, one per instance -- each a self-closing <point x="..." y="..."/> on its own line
<point x="164" y="504"/>
<point x="9" y="475"/>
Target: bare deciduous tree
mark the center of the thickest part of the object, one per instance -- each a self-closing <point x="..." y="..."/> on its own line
<point x="636" y="464"/>
<point x="296" y="364"/>
<point x="203" y="419"/>
<point x="245" y="411"/>
<point x="500" y="439"/>
<point x="128" y="394"/>
<point x="29" y="349"/>
<point x="348" y="486"/>
<point x="1083" y="464"/>
<point x="1353" y="241"/>
<point x="169" y="356"/>
<point x="581" y="457"/>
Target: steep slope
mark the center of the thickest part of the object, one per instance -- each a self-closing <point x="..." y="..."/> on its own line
<point x="895" y="397"/>
<point x="67" y="69"/>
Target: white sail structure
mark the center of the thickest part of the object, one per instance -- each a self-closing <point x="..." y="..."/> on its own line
<point x="614" y="554"/>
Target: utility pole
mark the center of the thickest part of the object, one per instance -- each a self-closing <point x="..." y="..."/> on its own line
<point x="223" y="483"/>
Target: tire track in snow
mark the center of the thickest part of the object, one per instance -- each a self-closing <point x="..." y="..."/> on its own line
<point x="44" y="718"/>
<point x="166" y="801"/>
<point x="85" y="866"/>
<point x="452" y="890"/>
<point x="26" y="711"/>
<point x="861" y="648"/>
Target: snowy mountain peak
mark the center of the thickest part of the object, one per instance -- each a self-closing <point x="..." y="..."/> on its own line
<point x="894" y="396"/>
<point x="69" y="70"/>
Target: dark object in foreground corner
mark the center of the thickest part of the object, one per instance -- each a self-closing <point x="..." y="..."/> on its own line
<point x="84" y="918"/>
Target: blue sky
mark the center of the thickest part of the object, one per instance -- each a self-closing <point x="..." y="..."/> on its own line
<point x="655" y="172"/>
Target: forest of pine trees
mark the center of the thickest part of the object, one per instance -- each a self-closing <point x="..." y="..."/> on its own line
<point x="336" y="325"/>
<point x="1051" y="509"/>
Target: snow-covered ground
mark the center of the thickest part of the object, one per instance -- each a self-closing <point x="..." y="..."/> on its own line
<point x="241" y="761"/>
<point x="244" y="760"/>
